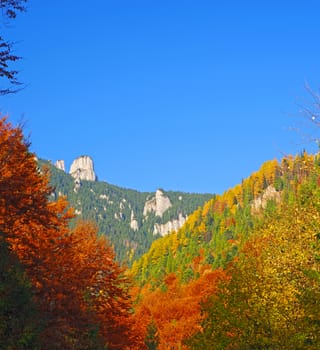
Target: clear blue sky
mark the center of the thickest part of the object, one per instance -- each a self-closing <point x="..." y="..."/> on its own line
<point x="182" y="95"/>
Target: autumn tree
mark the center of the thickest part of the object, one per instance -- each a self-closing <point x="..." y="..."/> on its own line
<point x="101" y="286"/>
<point x="170" y="314"/>
<point x="34" y="228"/>
<point x="269" y="302"/>
<point x="23" y="199"/>
<point x="79" y="290"/>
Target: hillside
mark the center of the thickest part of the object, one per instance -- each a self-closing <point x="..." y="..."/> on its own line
<point x="243" y="272"/>
<point x="214" y="233"/>
<point x="132" y="220"/>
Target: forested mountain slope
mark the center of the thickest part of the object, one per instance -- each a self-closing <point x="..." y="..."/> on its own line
<point x="244" y="270"/>
<point x="132" y="220"/>
<point x="214" y="232"/>
<point x="242" y="273"/>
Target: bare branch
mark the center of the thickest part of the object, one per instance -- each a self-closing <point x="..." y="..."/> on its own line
<point x="310" y="112"/>
<point x="9" y="9"/>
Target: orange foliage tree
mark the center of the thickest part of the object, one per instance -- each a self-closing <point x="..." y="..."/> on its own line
<point x="102" y="289"/>
<point x="172" y="313"/>
<point x="79" y="288"/>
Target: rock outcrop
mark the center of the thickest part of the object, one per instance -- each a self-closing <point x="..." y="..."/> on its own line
<point x="270" y="193"/>
<point x="173" y="225"/>
<point x="133" y="222"/>
<point x="157" y="204"/>
<point x="60" y="165"/>
<point x="82" y="169"/>
<point x="130" y="218"/>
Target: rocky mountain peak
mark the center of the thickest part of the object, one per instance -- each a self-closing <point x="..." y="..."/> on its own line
<point x="82" y="169"/>
<point x="60" y="165"/>
<point x="157" y="204"/>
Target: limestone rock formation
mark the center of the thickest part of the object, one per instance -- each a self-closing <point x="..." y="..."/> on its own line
<point x="82" y="169"/>
<point x="134" y="223"/>
<point x="270" y="193"/>
<point x="173" y="225"/>
<point x="60" y="165"/>
<point x="157" y="204"/>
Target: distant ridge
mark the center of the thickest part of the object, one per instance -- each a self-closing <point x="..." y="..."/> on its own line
<point x="132" y="220"/>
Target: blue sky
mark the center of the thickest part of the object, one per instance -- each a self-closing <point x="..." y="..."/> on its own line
<point x="178" y="94"/>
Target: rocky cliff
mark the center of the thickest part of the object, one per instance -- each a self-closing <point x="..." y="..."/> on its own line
<point x="172" y="225"/>
<point x="82" y="169"/>
<point x="157" y="204"/>
<point x="60" y="165"/>
<point x="260" y="203"/>
<point x="132" y="220"/>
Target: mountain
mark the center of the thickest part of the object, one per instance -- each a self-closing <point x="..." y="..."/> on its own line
<point x="214" y="233"/>
<point x="243" y="272"/>
<point x="132" y="220"/>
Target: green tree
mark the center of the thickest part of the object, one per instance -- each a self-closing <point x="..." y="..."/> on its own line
<point x="152" y="337"/>
<point x="19" y="325"/>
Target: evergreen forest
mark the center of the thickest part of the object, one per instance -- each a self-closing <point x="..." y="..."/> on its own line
<point x="113" y="208"/>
